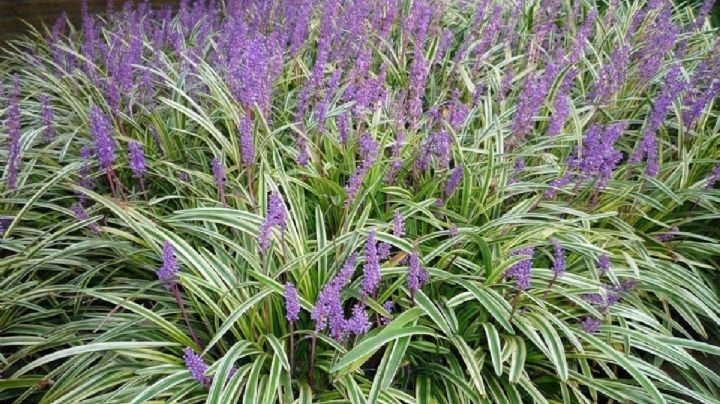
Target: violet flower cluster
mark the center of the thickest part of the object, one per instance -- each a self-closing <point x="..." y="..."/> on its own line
<point x="521" y="270"/>
<point x="276" y="218"/>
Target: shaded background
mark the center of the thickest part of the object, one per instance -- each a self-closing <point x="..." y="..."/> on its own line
<point x="15" y="15"/>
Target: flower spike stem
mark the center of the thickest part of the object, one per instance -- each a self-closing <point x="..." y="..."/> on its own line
<point x="178" y="298"/>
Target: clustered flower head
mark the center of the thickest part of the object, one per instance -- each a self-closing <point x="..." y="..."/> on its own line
<point x="521" y="270"/>
<point x="371" y="269"/>
<point x="196" y="365"/>
<point x="13" y="127"/>
<point x="46" y="114"/>
<point x="398" y="224"/>
<point x="137" y="159"/>
<point x="416" y="275"/>
<point x="81" y="215"/>
<point x="247" y="146"/>
<point x="104" y="142"/>
<point x="559" y="259"/>
<point x="613" y="294"/>
<point x="276" y="217"/>
<point x="604" y="263"/>
<point x="292" y="303"/>
<point x="591" y="325"/>
<point x="169" y="269"/>
<point x="218" y="171"/>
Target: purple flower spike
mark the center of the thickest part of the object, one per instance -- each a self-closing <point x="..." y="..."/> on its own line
<point x="389" y="306"/>
<point x="454" y="181"/>
<point x="368" y="149"/>
<point x="416" y="275"/>
<point x="604" y="263"/>
<point x="292" y="304"/>
<point x="359" y="323"/>
<point x="276" y="217"/>
<point x="137" y="159"/>
<point x="247" y="146"/>
<point x="46" y="114"/>
<point x="665" y="237"/>
<point x="13" y="126"/>
<point x="521" y="270"/>
<point x="101" y="132"/>
<point x="371" y="269"/>
<point x="169" y="269"/>
<point x="196" y="365"/>
<point x="591" y="325"/>
<point x="218" y="172"/>
<point x="398" y="224"/>
<point x="559" y="259"/>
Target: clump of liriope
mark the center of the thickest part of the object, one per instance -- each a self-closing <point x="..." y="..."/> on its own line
<point x="374" y="200"/>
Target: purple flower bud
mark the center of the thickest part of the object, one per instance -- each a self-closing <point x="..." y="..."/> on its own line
<point x="197" y="367"/>
<point x="604" y="263"/>
<point x="454" y="181"/>
<point x="359" y="323"/>
<point x="368" y="149"/>
<point x="611" y="76"/>
<point x="383" y="251"/>
<point x="521" y="270"/>
<point x="137" y="159"/>
<point x="343" y="124"/>
<point x="388" y="305"/>
<point x="276" y="217"/>
<point x="713" y="177"/>
<point x="218" y="171"/>
<point x="559" y="259"/>
<point x="416" y="275"/>
<point x="13" y="127"/>
<point x="169" y="269"/>
<point x="101" y="132"/>
<point x="371" y="269"/>
<point x="292" y="304"/>
<point x="647" y="147"/>
<point x="665" y="237"/>
<point x="46" y="113"/>
<point x="591" y="325"/>
<point x="81" y="214"/>
<point x="247" y="146"/>
<point x="398" y="224"/>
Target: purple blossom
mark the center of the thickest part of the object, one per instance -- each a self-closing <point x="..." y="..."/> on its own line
<point x="611" y="76"/>
<point x="169" y="269"/>
<point x="101" y="132"/>
<point x="557" y="184"/>
<point x="218" y="171"/>
<point x="665" y="237"/>
<point x="383" y="251"/>
<point x="604" y="263"/>
<point x="137" y="159"/>
<point x="454" y="181"/>
<point x="328" y="310"/>
<point x="458" y="112"/>
<point x="453" y="231"/>
<point x="591" y="325"/>
<point x="388" y="306"/>
<point x="647" y="147"/>
<point x="195" y="364"/>
<point x="531" y="99"/>
<point x="276" y="217"/>
<point x="359" y="322"/>
<point x="613" y="294"/>
<point x="521" y="270"/>
<point x="599" y="158"/>
<point x="13" y="127"/>
<point x="368" y="149"/>
<point x="558" y="259"/>
<point x="247" y="146"/>
<point x="343" y="124"/>
<point x="292" y="304"/>
<point x="46" y="117"/>
<point x="658" y="42"/>
<point x="81" y="215"/>
<point x="561" y="106"/>
<point x="416" y="275"/>
<point x="398" y="224"/>
<point x="371" y="269"/>
<point x="713" y="177"/>
<point x="438" y="144"/>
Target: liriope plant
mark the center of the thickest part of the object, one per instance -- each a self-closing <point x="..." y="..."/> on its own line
<point x="367" y="201"/>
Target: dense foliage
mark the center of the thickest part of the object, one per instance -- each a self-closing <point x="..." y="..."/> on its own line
<point x="365" y="201"/>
